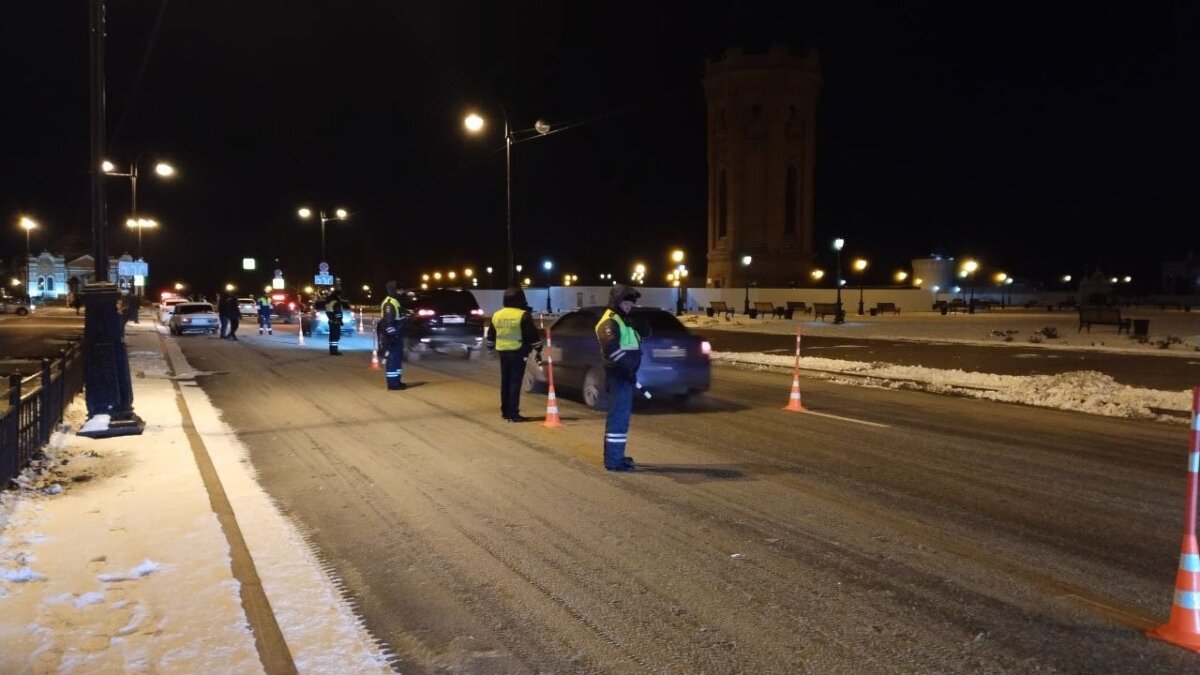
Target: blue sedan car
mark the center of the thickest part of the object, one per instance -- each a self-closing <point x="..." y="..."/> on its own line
<point x="674" y="362"/>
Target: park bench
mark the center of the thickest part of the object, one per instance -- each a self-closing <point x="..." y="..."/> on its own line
<point x="719" y="307"/>
<point x="766" y="309"/>
<point x="793" y="306"/>
<point x="881" y="307"/>
<point x="1102" y="316"/>
<point x="820" y="309"/>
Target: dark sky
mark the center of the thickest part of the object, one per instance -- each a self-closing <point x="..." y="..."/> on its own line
<point x="1039" y="139"/>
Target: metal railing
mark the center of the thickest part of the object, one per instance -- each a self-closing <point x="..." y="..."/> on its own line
<point x="33" y="405"/>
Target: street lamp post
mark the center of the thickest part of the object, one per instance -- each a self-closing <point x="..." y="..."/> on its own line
<point x="840" y="315"/>
<point x="162" y="168"/>
<point x="474" y="124"/>
<point x="968" y="272"/>
<point x="746" y="260"/>
<point x="29" y="225"/>
<point x="860" y="266"/>
<point x="139" y="225"/>
<point x="680" y="285"/>
<point x="547" y="265"/>
<point x="340" y="214"/>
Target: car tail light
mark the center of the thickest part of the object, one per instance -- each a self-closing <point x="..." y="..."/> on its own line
<point x="425" y="312"/>
<point x="705" y="348"/>
<point x="477" y="312"/>
<point x="278" y="297"/>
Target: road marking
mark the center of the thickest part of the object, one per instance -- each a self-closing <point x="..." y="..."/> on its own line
<point x="848" y="419"/>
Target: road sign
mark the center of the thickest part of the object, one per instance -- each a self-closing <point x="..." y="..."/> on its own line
<point x="323" y="279"/>
<point x="133" y="268"/>
<point x="324" y="267"/>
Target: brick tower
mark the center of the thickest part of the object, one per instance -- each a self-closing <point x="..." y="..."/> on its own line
<point x="762" y="112"/>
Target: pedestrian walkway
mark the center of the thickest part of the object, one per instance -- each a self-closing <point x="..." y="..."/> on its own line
<point x="160" y="553"/>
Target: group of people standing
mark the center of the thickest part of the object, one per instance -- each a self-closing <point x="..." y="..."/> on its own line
<point x="511" y="332"/>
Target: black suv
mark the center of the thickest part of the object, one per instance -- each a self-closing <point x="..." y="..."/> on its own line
<point x="443" y="319"/>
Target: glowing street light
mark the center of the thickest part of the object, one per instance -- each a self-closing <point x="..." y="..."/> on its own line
<point x="474" y="124"/>
<point x="840" y="315"/>
<point x="860" y="266"/>
<point x="968" y="270"/>
<point x="901" y="276"/>
<point x="817" y="274"/>
<point x="340" y="214"/>
<point x="28" y="224"/>
<point x="746" y="260"/>
<point x="140" y="224"/>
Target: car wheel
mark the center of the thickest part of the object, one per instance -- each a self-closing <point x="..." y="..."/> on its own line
<point x="593" y="389"/>
<point x="530" y="382"/>
<point x="22" y="311"/>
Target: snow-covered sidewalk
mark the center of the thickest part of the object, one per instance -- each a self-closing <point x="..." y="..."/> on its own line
<point x="113" y="560"/>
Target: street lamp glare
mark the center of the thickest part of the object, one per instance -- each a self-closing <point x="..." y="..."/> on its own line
<point x="1128" y="279"/>
<point x="838" y="244"/>
<point x="165" y="170"/>
<point x="304" y="212"/>
<point x="28" y="223"/>
<point x="860" y="264"/>
<point x="473" y="122"/>
<point x="547" y="265"/>
<point x="818" y="274"/>
<point x="542" y="127"/>
<point x="677" y="256"/>
<point x="489" y="269"/>
<point x="901" y="275"/>
<point x="970" y="266"/>
<point x="107" y="166"/>
<point x="341" y="213"/>
<point x="468" y="273"/>
<point x="746" y="260"/>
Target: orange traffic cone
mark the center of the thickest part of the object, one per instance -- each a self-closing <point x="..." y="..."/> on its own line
<point x="1183" y="628"/>
<point x="794" y="400"/>
<point x="552" y="419"/>
<point x="374" y="353"/>
<point x="301" y="334"/>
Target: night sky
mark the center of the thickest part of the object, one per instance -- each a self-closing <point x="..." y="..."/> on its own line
<point x="1040" y="140"/>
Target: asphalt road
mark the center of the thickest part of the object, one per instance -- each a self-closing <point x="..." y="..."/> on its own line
<point x="1166" y="372"/>
<point x="26" y="340"/>
<point x="884" y="531"/>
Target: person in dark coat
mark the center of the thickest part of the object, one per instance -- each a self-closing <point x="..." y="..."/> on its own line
<point x="333" y="312"/>
<point x="231" y="313"/>
<point x="393" y="319"/>
<point x="510" y="331"/>
<point x="620" y="345"/>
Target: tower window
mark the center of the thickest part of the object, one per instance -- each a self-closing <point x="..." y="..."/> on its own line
<point x="722" y="205"/>
<point x="789" y="202"/>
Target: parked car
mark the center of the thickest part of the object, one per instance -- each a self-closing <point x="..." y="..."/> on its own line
<point x="316" y="322"/>
<point x="284" y="307"/>
<point x="194" y="317"/>
<point x="443" y="319"/>
<point x="167" y="307"/>
<point x="674" y="361"/>
<point x="12" y="305"/>
<point x="247" y="307"/>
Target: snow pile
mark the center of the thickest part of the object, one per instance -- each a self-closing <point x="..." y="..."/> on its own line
<point x="1081" y="391"/>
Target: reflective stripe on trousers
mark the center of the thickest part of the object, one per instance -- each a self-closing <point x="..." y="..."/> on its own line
<point x="616" y="425"/>
<point x="393" y="371"/>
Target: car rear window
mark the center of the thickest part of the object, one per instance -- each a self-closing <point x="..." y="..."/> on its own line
<point x="446" y="302"/>
<point x="193" y="309"/>
<point x="660" y="323"/>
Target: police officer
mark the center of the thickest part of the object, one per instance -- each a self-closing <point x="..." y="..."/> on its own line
<point x="264" y="313"/>
<point x="511" y="332"/>
<point x="333" y="311"/>
<point x="394" y="317"/>
<point x="620" y="345"/>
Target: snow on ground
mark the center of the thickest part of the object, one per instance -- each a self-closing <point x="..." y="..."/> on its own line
<point x="1172" y="334"/>
<point x="112" y="560"/>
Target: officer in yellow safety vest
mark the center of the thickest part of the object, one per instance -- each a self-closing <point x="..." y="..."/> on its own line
<point x="511" y="332"/>
<point x="390" y="329"/>
<point x="621" y="347"/>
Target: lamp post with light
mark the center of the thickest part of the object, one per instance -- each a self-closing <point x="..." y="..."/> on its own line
<point x="547" y="266"/>
<point x="28" y="224"/>
<point x="680" y="280"/>
<point x="340" y="214"/>
<point x="968" y="272"/>
<point x="474" y="124"/>
<point x="162" y="169"/>
<point x="746" y="260"/>
<point x="840" y="315"/>
<point x="860" y="266"/>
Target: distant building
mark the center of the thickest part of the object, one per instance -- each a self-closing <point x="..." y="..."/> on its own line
<point x="49" y="274"/>
<point x="762" y="117"/>
<point x="1181" y="277"/>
